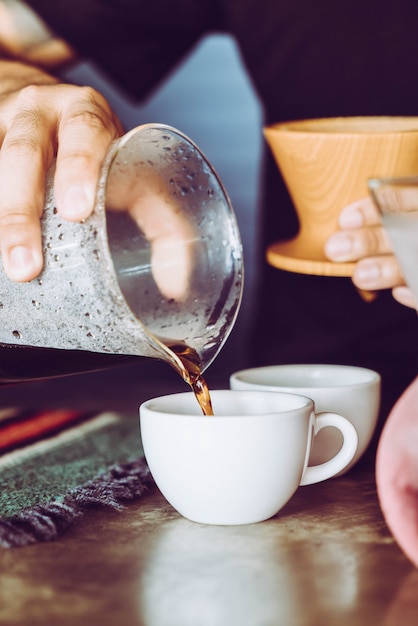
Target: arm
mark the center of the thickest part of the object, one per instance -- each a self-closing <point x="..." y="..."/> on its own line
<point x="363" y="239"/>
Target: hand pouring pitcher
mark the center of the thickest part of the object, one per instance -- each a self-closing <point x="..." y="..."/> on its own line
<point x="156" y="270"/>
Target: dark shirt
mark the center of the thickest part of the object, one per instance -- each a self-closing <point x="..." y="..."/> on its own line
<point x="306" y="59"/>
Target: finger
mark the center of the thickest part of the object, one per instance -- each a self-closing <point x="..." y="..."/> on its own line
<point x="381" y="272"/>
<point x="86" y="128"/>
<point x="172" y="240"/>
<point x="404" y="295"/>
<point x="359" y="214"/>
<point x="25" y="154"/>
<point x="352" y="245"/>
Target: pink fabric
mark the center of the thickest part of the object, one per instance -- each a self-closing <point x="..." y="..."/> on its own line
<point x="397" y="472"/>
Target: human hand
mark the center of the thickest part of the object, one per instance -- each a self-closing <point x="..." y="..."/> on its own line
<point x="41" y="119"/>
<point x="362" y="238"/>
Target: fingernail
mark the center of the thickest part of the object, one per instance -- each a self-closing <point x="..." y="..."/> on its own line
<point x="351" y="219"/>
<point x="23" y="263"/>
<point x="368" y="273"/>
<point x="77" y="202"/>
<point x="338" y="246"/>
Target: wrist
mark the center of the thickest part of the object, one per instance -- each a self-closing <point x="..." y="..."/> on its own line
<point x="25" y="36"/>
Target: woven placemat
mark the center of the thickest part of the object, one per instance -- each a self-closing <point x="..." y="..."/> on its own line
<point x="54" y="464"/>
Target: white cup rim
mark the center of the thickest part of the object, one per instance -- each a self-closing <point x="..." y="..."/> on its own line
<point x="254" y="376"/>
<point x="268" y="403"/>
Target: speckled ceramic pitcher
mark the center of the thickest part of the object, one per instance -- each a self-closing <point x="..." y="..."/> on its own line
<point x="158" y="263"/>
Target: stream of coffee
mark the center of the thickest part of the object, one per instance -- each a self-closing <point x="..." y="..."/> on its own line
<point x="193" y="376"/>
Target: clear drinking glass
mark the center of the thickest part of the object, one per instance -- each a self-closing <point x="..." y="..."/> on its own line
<point x="397" y="201"/>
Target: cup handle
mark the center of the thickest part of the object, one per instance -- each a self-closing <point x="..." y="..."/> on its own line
<point x="317" y="473"/>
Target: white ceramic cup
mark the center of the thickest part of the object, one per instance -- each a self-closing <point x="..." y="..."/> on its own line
<point x="243" y="464"/>
<point x="354" y="392"/>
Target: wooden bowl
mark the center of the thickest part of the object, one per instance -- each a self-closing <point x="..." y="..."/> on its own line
<point x="325" y="164"/>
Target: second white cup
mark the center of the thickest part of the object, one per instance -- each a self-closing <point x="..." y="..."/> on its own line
<point x="352" y="391"/>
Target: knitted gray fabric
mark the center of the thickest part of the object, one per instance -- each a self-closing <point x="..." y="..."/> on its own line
<point x="46" y="486"/>
<point x="44" y="522"/>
